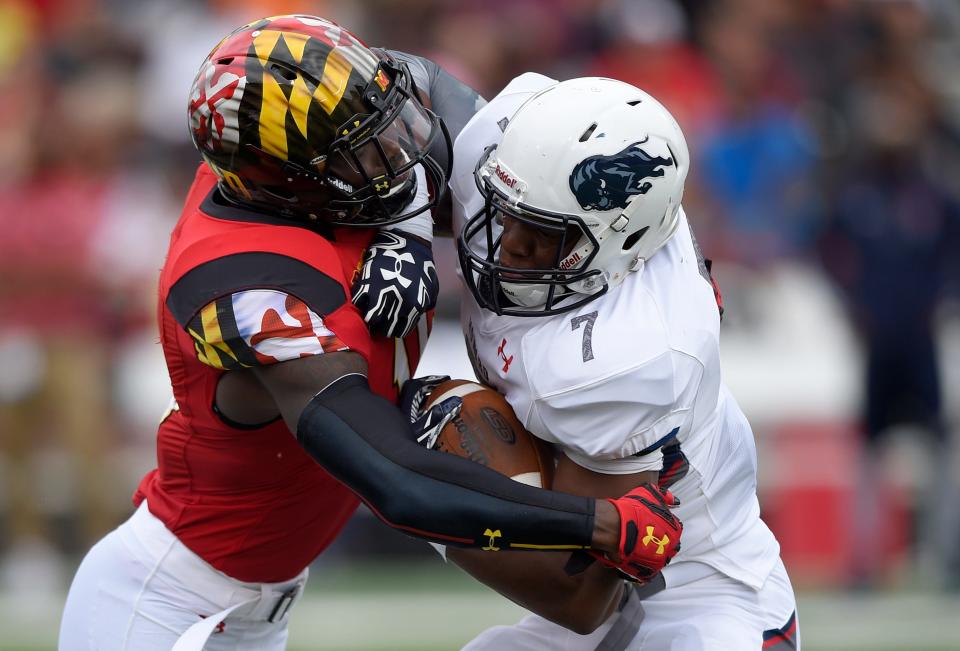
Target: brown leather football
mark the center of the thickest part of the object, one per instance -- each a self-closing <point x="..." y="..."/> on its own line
<point x="487" y="431"/>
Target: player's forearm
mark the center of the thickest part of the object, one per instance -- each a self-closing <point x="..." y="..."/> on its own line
<point x="358" y="437"/>
<point x="606" y="527"/>
<point x="539" y="583"/>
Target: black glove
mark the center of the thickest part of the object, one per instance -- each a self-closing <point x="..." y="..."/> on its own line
<point x="427" y="425"/>
<point x="397" y="283"/>
<point x="427" y="428"/>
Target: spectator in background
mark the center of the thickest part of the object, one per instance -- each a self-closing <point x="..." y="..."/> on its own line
<point x="488" y="43"/>
<point x="468" y="41"/>
<point x="756" y="156"/>
<point x="648" y="47"/>
<point x="892" y="233"/>
<point x="87" y="193"/>
<point x="70" y="101"/>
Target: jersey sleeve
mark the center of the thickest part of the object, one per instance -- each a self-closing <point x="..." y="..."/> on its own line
<point x="242" y="312"/>
<point x="259" y="327"/>
<point x="619" y="423"/>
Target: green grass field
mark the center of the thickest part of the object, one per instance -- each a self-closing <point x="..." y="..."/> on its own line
<point x="427" y="607"/>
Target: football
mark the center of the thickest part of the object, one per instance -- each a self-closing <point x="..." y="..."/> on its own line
<point x="488" y="432"/>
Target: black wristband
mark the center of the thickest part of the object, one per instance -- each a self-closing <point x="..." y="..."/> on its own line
<point x="362" y="440"/>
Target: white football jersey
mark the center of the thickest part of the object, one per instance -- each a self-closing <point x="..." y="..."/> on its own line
<point x="630" y="381"/>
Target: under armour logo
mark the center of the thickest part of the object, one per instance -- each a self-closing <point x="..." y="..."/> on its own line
<point x="659" y="542"/>
<point x="381" y="187"/>
<point x="493" y="535"/>
<point x="507" y="361"/>
<point x="397" y="272"/>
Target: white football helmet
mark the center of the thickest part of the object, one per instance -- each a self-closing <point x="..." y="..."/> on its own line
<point x="595" y="154"/>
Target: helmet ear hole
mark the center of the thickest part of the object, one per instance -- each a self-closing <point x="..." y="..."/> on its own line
<point x="283" y="72"/>
<point x="589" y="132"/>
<point x="634" y="237"/>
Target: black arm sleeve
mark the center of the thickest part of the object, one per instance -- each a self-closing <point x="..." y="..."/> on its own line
<point x="358" y="437"/>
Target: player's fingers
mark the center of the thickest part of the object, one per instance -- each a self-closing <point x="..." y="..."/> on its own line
<point x="449" y="408"/>
<point x="663" y="495"/>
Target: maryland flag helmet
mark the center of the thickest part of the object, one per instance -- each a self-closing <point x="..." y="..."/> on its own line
<point x="297" y="117"/>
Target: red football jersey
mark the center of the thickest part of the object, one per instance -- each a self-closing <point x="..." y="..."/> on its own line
<point x="240" y="289"/>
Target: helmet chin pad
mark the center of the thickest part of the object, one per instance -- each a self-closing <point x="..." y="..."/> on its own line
<point x="533" y="295"/>
<point x="525" y="294"/>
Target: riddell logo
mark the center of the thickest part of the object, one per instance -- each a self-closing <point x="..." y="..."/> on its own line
<point x="505" y="177"/>
<point x="570" y="261"/>
<point x="340" y="184"/>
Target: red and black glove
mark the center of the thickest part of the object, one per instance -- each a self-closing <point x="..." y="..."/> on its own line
<point x="649" y="532"/>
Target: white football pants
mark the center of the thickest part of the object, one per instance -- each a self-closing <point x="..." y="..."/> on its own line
<point x="711" y="612"/>
<point x="141" y="589"/>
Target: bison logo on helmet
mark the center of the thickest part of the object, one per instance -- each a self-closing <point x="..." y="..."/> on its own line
<point x="608" y="182"/>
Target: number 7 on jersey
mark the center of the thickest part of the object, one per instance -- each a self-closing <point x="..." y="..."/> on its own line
<point x="589" y="320"/>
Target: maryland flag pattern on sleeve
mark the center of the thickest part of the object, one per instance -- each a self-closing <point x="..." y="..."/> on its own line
<point x="259" y="327"/>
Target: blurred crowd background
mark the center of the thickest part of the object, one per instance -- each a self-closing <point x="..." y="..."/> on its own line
<point x="825" y="137"/>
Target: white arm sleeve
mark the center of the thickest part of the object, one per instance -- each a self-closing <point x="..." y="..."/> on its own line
<point x="420" y="225"/>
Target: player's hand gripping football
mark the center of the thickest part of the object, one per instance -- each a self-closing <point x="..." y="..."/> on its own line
<point x="397" y="283"/>
<point x="649" y="532"/>
<point x="427" y="424"/>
